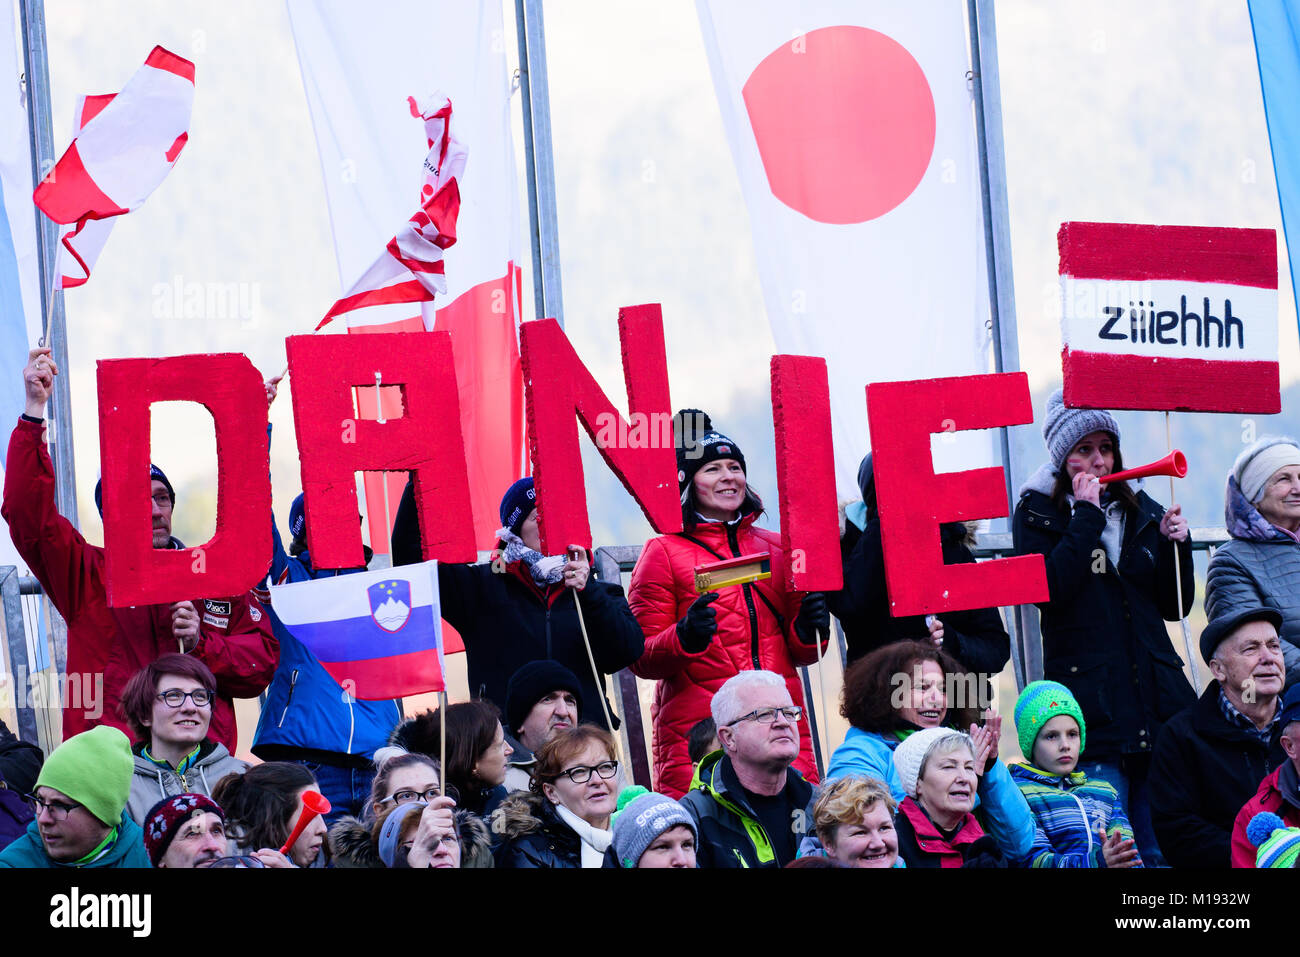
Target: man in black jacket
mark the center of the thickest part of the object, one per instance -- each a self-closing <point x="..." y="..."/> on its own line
<point x="1210" y="758"/>
<point x="749" y="805"/>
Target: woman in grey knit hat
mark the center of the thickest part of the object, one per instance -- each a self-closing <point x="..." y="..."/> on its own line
<point x="1261" y="565"/>
<point x="1111" y="554"/>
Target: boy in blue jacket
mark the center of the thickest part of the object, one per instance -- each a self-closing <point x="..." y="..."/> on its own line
<point x="1078" y="822"/>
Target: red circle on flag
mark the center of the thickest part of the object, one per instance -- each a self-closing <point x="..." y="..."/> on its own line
<point x="844" y="121"/>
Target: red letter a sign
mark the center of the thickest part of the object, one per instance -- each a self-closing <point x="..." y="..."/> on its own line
<point x="914" y="501"/>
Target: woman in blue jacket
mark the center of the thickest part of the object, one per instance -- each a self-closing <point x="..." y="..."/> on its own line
<point x="906" y="687"/>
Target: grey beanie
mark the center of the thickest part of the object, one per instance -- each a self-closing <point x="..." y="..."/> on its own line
<point x="1063" y="428"/>
<point x="392" y="828"/>
<point x="913" y="750"/>
<point x="1256" y="465"/>
<point x="641" y="822"/>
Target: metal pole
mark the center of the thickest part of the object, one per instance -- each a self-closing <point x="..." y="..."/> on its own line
<point x="544" y="233"/>
<point x="1027" y="648"/>
<point x="58" y="411"/>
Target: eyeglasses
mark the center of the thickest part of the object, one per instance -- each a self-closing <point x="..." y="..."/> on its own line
<point x="175" y="697"/>
<point x="246" y="860"/>
<point x="406" y="796"/>
<point x="768" y="715"/>
<point x="162" y="500"/>
<point x="582" y="774"/>
<point x="59" y="810"/>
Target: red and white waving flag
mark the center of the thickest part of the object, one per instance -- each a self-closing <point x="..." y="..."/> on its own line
<point x="359" y="63"/>
<point x="123" y="148"/>
<point x="411" y="269"/>
<point x="1169" y="317"/>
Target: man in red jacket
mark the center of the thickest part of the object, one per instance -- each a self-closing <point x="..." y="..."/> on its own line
<point x="1280" y="791"/>
<point x="232" y="636"/>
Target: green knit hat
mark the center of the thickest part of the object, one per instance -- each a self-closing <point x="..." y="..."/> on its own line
<point x="1039" y="703"/>
<point x="94" y="769"/>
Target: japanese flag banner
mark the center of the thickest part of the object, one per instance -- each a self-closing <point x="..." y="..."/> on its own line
<point x="1169" y="318"/>
<point x="852" y="129"/>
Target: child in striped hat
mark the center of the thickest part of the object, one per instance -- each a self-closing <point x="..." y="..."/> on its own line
<point x="1079" y="823"/>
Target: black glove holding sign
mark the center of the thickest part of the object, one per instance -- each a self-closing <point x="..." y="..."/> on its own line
<point x="699" y="625"/>
<point x="814" y="618"/>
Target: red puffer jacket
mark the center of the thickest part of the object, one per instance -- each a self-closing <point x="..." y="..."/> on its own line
<point x="755" y="631"/>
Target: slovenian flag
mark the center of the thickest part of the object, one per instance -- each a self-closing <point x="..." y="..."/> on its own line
<point x="378" y="634"/>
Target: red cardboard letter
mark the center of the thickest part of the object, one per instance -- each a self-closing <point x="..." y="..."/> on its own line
<point x="805" y="473"/>
<point x="333" y="443"/>
<point x="557" y="385"/>
<point x="237" y="556"/>
<point x="913" y="500"/>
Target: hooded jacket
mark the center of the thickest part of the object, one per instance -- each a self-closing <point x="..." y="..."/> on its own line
<point x="235" y="638"/>
<point x="1204" y="770"/>
<point x="351" y="844"/>
<point x="730" y="834"/>
<point x="1260" y="566"/>
<point x="150" y="783"/>
<point x="533" y="835"/>
<point x="507" y="620"/>
<point x="921" y="845"/>
<point x="1103" y="628"/>
<point x="1068" y="809"/>
<point x="127" y="851"/>
<point x="1278" y="793"/>
<point x="755" y="631"/>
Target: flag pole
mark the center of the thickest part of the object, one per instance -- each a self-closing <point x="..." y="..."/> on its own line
<point x="1178" y="574"/>
<point x="59" y="410"/>
<point x="442" y="743"/>
<point x="1027" y="648"/>
<point x="543" y="227"/>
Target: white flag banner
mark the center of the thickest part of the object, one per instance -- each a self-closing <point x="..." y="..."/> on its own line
<point x="367" y="70"/>
<point x="851" y="123"/>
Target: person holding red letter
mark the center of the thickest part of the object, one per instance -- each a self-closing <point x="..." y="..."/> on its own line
<point x="694" y="643"/>
<point x="231" y="635"/>
<point x="1110" y="554"/>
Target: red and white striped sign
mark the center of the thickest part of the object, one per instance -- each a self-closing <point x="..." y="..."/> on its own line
<point x="1169" y="317"/>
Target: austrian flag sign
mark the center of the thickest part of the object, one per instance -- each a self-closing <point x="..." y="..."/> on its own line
<point x="1169" y="318"/>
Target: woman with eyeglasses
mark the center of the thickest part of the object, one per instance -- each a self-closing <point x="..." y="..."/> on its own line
<point x="408" y="780"/>
<point x="168" y="706"/>
<point x="563" y="821"/>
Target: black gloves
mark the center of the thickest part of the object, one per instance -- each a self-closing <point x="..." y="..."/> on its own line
<point x="814" y="618"/>
<point x="700" y="624"/>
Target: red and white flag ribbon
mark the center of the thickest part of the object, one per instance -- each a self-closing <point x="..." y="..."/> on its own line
<point x="123" y="148"/>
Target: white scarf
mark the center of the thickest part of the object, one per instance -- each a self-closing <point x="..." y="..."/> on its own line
<point x="595" y="841"/>
<point x="546" y="570"/>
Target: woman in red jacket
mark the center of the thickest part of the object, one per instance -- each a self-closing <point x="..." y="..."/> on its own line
<point x="694" y="643"/>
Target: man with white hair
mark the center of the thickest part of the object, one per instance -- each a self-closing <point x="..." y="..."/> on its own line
<point x="749" y="805"/>
<point x="1261" y="565"/>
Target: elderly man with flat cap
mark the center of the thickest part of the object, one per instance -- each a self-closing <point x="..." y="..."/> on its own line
<point x="1211" y="757"/>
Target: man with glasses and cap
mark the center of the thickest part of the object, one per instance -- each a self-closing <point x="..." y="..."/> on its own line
<point x="749" y="805"/>
<point x="80" y="807"/>
<point x="231" y="635"/>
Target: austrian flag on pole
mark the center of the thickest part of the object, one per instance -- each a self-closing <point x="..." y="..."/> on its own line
<point x="378" y="634"/>
<point x="124" y="147"/>
<point x="1169" y="318"/>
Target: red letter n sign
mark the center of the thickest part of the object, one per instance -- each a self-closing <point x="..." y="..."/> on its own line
<point x="914" y="500"/>
<point x="639" y="452"/>
<point x="334" y="444"/>
<point x="237" y="556"/>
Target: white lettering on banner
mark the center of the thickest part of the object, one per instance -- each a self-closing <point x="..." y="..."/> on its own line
<point x="77" y="910"/>
<point x="1169" y="318"/>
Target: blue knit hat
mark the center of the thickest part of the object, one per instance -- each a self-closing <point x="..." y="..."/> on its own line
<point x="518" y="503"/>
<point x="298" y="517"/>
<point x="1039" y="703"/>
<point x="1279" y="845"/>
